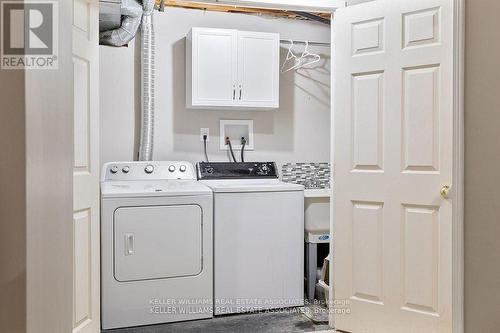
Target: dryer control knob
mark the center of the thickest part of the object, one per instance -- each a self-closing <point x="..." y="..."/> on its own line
<point x="171" y="168"/>
<point x="182" y="168"/>
<point x="114" y="169"/>
<point x="125" y="169"/>
<point x="149" y="168"/>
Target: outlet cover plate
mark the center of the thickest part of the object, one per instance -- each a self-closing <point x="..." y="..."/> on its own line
<point x="235" y="129"/>
<point x="204" y="131"/>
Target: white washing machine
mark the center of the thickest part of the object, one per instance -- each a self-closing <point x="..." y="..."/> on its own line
<point x="156" y="244"/>
<point x="258" y="237"/>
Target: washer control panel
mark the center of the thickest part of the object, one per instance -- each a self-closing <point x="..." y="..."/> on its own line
<point x="246" y="170"/>
<point x="148" y="170"/>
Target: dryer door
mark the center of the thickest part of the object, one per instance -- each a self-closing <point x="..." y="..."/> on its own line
<point x="157" y="242"/>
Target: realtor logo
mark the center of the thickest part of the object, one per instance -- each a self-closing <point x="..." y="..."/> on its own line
<point x="29" y="34"/>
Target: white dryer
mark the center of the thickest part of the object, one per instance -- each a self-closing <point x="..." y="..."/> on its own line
<point x="156" y="244"/>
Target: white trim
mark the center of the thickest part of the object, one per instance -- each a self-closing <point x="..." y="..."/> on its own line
<point x="458" y="167"/>
<point x="331" y="317"/>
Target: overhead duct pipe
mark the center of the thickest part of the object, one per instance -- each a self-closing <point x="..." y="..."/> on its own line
<point x="148" y="81"/>
<point x="131" y="11"/>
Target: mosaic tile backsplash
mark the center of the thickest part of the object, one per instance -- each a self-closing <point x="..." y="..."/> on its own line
<point x="311" y="175"/>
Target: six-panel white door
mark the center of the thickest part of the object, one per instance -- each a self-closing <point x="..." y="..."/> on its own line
<point x="86" y="257"/>
<point x="393" y="153"/>
<point x="258" y="69"/>
<point x="213" y="65"/>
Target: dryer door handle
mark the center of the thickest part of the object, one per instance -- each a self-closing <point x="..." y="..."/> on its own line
<point x="129" y="244"/>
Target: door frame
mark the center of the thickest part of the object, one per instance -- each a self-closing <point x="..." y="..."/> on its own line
<point x="458" y="257"/>
<point x="457" y="194"/>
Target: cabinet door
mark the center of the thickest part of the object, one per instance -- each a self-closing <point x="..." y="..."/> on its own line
<point x="214" y="67"/>
<point x="258" y="69"/>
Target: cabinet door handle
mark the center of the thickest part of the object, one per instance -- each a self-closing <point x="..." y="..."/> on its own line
<point x="234" y="94"/>
<point x="240" y="93"/>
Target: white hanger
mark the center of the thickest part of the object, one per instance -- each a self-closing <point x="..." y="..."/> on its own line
<point x="306" y="54"/>
<point x="289" y="56"/>
<point x="300" y="62"/>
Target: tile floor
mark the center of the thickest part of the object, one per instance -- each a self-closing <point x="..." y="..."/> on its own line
<point x="290" y="321"/>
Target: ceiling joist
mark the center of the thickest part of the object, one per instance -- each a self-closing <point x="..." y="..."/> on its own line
<point x="321" y="17"/>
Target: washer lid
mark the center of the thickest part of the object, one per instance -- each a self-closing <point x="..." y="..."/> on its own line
<point x="158" y="188"/>
<point x="236" y="186"/>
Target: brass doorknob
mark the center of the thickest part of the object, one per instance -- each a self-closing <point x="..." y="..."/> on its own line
<point x="445" y="191"/>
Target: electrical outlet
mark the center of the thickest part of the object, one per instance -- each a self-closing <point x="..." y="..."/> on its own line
<point x="203" y="132"/>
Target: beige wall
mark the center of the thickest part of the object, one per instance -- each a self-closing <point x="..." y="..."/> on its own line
<point x="298" y="131"/>
<point x="12" y="203"/>
<point x="482" y="167"/>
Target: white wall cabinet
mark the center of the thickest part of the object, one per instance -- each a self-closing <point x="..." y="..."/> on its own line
<point x="232" y="69"/>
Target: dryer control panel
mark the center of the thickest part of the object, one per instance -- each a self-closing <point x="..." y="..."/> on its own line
<point x="245" y="170"/>
<point x="148" y="170"/>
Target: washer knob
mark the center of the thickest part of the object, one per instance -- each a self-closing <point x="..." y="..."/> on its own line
<point x="171" y="168"/>
<point x="125" y="169"/>
<point x="264" y="169"/>
<point x="149" y="168"/>
<point x="114" y="169"/>
<point x="182" y="168"/>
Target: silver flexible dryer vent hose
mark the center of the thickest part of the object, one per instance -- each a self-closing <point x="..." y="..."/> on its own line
<point x="131" y="11"/>
<point x="148" y="81"/>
